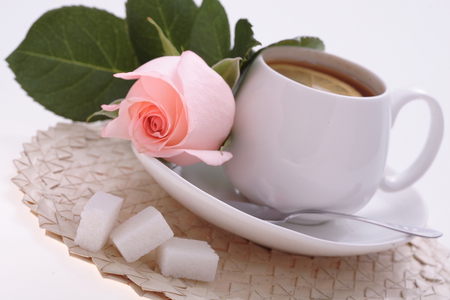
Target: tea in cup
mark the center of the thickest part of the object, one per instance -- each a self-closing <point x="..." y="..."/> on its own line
<point x="312" y="132"/>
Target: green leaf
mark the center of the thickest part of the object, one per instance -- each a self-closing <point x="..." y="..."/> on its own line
<point x="308" y="42"/>
<point x="174" y="17"/>
<point x="168" y="48"/>
<point x="68" y="58"/>
<point x="228" y="68"/>
<point x="304" y="41"/>
<point x="210" y="36"/>
<point x="243" y="39"/>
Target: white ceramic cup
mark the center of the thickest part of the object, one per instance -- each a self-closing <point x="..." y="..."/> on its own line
<point x="295" y="147"/>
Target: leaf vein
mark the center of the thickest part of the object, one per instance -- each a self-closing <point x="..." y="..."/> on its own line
<point x="104" y="90"/>
<point x="97" y="43"/>
<point x="74" y="84"/>
<point x="45" y="38"/>
<point x="66" y="42"/>
<point x="73" y="62"/>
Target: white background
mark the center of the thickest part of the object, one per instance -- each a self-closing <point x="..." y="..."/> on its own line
<point x="406" y="42"/>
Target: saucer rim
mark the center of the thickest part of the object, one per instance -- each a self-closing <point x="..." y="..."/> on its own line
<point x="312" y="245"/>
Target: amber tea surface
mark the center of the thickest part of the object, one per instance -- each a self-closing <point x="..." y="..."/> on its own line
<point x="321" y="78"/>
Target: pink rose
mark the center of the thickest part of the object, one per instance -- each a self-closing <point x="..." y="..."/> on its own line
<point x="179" y="109"/>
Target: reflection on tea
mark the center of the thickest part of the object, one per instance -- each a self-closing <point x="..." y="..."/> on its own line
<point x="321" y="78"/>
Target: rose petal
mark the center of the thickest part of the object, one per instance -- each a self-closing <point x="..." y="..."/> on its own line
<point x="166" y="98"/>
<point x="138" y="127"/>
<point x="118" y="127"/>
<point x="189" y="157"/>
<point x="210" y="105"/>
<point x="155" y="123"/>
<point x="179" y="109"/>
<point x="164" y="66"/>
<point x="110" y="107"/>
<point x="169" y="99"/>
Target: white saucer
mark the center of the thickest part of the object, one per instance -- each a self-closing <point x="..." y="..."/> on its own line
<point x="199" y="187"/>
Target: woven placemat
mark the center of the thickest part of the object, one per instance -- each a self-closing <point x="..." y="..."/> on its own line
<point x="61" y="168"/>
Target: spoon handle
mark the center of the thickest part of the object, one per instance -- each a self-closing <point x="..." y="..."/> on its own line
<point x="418" y="231"/>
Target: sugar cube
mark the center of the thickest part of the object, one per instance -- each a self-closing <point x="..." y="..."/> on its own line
<point x="141" y="234"/>
<point x="98" y="218"/>
<point x="186" y="258"/>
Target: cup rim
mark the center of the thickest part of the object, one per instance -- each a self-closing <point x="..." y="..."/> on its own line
<point x="334" y="62"/>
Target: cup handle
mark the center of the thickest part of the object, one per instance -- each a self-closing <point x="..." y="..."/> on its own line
<point x="435" y="134"/>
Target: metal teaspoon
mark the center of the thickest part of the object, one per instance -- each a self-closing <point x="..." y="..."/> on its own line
<point x="273" y="216"/>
